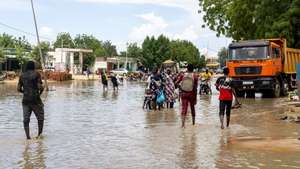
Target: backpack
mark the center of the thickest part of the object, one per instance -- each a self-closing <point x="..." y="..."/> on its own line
<point x="187" y="83"/>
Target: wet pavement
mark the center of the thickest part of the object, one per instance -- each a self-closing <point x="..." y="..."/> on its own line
<point x="86" y="128"/>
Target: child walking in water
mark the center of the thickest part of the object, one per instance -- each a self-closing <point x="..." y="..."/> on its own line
<point x="224" y="85"/>
<point x="147" y="100"/>
<point x="104" y="80"/>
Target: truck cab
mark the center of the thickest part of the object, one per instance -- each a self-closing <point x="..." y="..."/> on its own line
<point x="257" y="66"/>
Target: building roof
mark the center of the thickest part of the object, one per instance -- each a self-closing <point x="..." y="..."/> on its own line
<point x="73" y="50"/>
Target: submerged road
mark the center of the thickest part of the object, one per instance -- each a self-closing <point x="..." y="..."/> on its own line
<point x="86" y="128"/>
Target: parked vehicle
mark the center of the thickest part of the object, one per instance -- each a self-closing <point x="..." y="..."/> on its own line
<point x="266" y="66"/>
<point x="120" y="72"/>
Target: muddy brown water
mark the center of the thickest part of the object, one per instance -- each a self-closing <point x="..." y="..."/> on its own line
<point x="86" y="128"/>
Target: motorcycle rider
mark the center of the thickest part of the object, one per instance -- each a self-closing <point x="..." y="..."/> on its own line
<point x="206" y="76"/>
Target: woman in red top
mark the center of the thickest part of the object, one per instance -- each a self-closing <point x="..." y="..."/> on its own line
<point x="188" y="85"/>
<point x="224" y="86"/>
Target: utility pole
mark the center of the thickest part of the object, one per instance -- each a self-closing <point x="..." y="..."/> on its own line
<point x="39" y="47"/>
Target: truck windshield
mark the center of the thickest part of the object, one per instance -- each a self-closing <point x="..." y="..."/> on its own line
<point x="248" y="53"/>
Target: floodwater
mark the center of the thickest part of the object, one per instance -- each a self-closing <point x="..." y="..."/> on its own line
<point x="86" y="128"/>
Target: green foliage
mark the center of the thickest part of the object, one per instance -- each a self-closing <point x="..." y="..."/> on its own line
<point x="133" y="51"/>
<point x="22" y="55"/>
<point x="254" y="19"/>
<point x="222" y="56"/>
<point x="2" y="56"/>
<point x="109" y="49"/>
<point x="35" y="54"/>
<point x="156" y="51"/>
<point x="89" y="42"/>
<point x="8" y="41"/>
<point x="64" y="40"/>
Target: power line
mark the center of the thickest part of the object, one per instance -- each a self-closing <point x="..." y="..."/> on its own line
<point x="22" y="31"/>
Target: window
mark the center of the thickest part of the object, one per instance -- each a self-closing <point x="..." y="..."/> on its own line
<point x="276" y="52"/>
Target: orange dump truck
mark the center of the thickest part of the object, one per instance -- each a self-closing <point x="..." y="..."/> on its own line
<point x="265" y="66"/>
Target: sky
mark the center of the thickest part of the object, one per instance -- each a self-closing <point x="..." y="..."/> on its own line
<point x="120" y="21"/>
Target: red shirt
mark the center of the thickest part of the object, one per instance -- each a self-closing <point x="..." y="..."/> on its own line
<point x="224" y="85"/>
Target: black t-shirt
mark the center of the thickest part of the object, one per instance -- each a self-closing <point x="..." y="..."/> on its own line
<point x="30" y="84"/>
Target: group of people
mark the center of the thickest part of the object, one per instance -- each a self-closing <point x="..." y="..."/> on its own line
<point x="115" y="80"/>
<point x="161" y="91"/>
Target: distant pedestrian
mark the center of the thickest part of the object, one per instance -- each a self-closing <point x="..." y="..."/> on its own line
<point x="224" y="85"/>
<point x="188" y="83"/>
<point x="170" y="89"/>
<point x="88" y="72"/>
<point x="104" y="80"/>
<point x="30" y="84"/>
<point x="114" y="81"/>
<point x="155" y="85"/>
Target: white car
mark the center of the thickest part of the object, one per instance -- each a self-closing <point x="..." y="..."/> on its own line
<point x="121" y="71"/>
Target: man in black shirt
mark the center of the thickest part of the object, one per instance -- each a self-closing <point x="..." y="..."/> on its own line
<point x="30" y="84"/>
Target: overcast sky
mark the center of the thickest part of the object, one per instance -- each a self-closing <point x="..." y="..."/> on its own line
<point x="120" y="21"/>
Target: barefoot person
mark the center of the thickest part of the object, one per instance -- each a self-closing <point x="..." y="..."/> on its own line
<point x="188" y="85"/>
<point x="30" y="84"/>
<point x="223" y="85"/>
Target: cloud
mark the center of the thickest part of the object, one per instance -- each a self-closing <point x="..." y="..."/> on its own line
<point x="14" y="5"/>
<point x="47" y="32"/>
<point x="153" y="25"/>
<point x="184" y="4"/>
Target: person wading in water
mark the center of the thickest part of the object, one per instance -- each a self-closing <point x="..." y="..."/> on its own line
<point x="30" y="84"/>
<point x="224" y="86"/>
<point x="188" y="83"/>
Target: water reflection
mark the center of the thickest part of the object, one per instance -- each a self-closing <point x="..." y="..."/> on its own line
<point x="189" y="158"/>
<point x="33" y="155"/>
<point x="111" y="130"/>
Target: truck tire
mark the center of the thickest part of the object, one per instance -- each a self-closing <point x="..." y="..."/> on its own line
<point x="276" y="91"/>
<point x="284" y="88"/>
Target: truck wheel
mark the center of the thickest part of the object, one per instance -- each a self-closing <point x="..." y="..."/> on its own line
<point x="276" y="90"/>
<point x="284" y="88"/>
<point x="240" y="93"/>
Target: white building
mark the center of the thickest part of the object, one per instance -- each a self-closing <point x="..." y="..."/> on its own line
<point x="63" y="59"/>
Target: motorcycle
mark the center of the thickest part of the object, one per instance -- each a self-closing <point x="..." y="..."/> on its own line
<point x="205" y="87"/>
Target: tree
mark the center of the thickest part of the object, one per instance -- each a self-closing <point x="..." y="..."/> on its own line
<point x="182" y="50"/>
<point x="45" y="46"/>
<point x="123" y="54"/>
<point x="254" y="19"/>
<point x="133" y="51"/>
<point x="64" y="40"/>
<point x="2" y="56"/>
<point x="7" y="41"/>
<point x="22" y="56"/>
<point x="89" y="42"/>
<point x="222" y="56"/>
<point x="109" y="49"/>
<point x="156" y="51"/>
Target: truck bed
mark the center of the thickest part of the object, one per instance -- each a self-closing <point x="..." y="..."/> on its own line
<point x="292" y="58"/>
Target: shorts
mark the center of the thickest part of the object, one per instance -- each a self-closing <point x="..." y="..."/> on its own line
<point x="38" y="110"/>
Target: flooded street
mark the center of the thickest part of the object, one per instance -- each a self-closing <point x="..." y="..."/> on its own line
<point x="86" y="128"/>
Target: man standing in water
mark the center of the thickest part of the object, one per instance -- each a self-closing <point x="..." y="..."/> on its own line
<point x="30" y="84"/>
<point x="224" y="85"/>
<point x="188" y="85"/>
